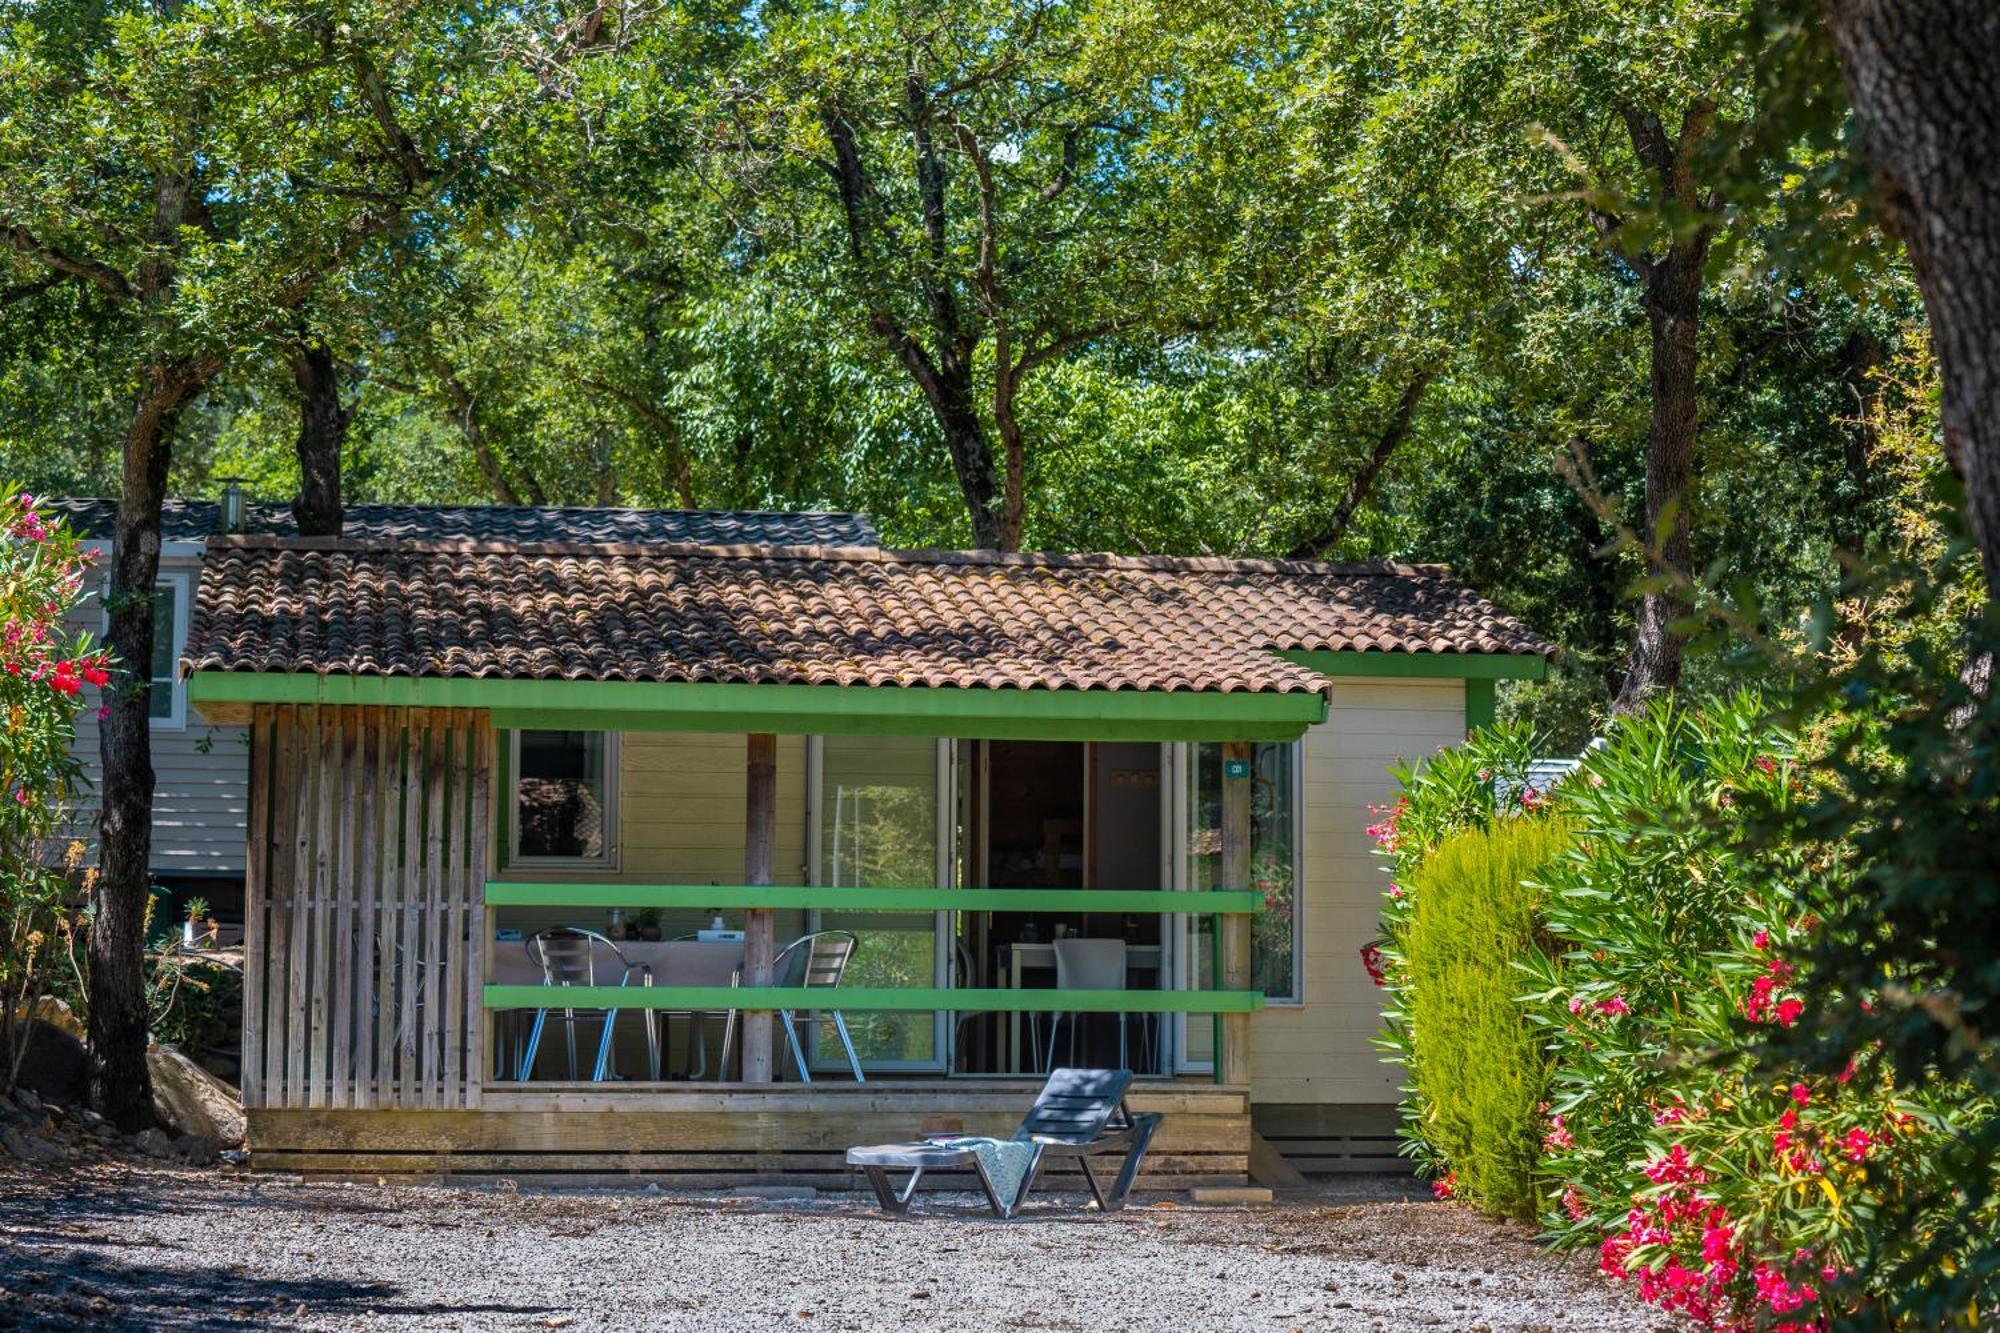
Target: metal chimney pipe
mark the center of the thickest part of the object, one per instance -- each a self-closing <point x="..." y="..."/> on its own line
<point x="232" y="504"/>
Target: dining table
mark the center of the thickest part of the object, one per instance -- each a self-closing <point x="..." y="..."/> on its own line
<point x="684" y="962"/>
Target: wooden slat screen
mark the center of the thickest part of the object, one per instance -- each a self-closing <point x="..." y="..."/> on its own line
<point x="365" y="919"/>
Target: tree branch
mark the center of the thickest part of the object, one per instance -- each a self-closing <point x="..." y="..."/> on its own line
<point x="1363" y="482"/>
<point x="102" y="276"/>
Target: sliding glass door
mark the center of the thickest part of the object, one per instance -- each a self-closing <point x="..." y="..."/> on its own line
<point x="1275" y="797"/>
<point x="881" y="818"/>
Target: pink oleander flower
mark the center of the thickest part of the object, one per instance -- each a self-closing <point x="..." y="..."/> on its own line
<point x="1789" y="1011"/>
<point x="1856" y="1144"/>
<point x="1445" y="1188"/>
<point x="1615" y="1006"/>
<point x="1801" y="1094"/>
<point x="1761" y="940"/>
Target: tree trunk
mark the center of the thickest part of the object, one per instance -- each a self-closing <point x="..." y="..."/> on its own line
<point x="323" y="426"/>
<point x="1922" y="80"/>
<point x="1673" y="302"/>
<point x="119" y="1086"/>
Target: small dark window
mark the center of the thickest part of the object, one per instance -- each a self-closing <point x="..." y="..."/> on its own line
<point x="563" y="795"/>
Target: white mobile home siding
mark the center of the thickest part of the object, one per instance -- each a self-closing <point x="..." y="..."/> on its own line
<point x="201" y="800"/>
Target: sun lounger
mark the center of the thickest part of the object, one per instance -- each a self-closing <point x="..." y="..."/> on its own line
<point x="1079" y="1114"/>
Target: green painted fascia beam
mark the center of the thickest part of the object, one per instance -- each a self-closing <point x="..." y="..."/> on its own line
<point x="874" y="999"/>
<point x="1424" y="666"/>
<point x="785" y="897"/>
<point x="823" y="710"/>
<point x="1480" y="705"/>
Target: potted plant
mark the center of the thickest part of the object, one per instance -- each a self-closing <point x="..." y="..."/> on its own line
<point x="198" y="926"/>
<point x="648" y="923"/>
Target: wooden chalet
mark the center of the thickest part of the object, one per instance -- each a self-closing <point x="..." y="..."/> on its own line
<point x="455" y="744"/>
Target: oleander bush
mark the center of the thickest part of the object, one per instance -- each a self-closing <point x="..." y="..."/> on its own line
<point x="44" y="666"/>
<point x="1676" y="935"/>
<point x="1478" y="1060"/>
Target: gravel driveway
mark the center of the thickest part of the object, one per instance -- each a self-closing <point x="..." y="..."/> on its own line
<point x="142" y="1247"/>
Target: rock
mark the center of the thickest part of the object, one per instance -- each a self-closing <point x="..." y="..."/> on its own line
<point x="153" y="1142"/>
<point x="197" y="1150"/>
<point x="192" y="1100"/>
<point x="30" y="1146"/>
<point x="56" y="1013"/>
<point x="53" y="1068"/>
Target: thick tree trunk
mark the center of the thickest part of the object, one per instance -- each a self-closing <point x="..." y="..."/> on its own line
<point x="1673" y="302"/>
<point x="323" y="426"/>
<point x="119" y="1086"/>
<point x="1922" y="79"/>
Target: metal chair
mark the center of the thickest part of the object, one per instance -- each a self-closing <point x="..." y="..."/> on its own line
<point x="686" y="961"/>
<point x="1088" y="964"/>
<point x="814" y="961"/>
<point x="568" y="956"/>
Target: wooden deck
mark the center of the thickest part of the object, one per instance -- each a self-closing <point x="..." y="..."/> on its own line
<point x="721" y="1134"/>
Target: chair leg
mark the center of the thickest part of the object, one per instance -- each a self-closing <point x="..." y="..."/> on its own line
<point x="1128" y="1174"/>
<point x="527" y="1065"/>
<point x="853" y="1060"/>
<point x="1055" y="1026"/>
<point x="652" y="1018"/>
<point x="892" y="1200"/>
<point x="798" y="1052"/>
<point x="1090" y="1179"/>
<point x="569" y="1035"/>
<point x="728" y="1046"/>
<point x="603" y="1065"/>
<point x="1124" y="1059"/>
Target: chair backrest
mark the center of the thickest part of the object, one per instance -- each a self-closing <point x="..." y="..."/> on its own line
<point x="1090" y="964"/>
<point x="1076" y="1105"/>
<point x="818" y="959"/>
<point x="692" y="963"/>
<point x="568" y="956"/>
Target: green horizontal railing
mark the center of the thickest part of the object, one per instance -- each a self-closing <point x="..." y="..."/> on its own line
<point x="1214" y="902"/>
<point x="859" y="999"/>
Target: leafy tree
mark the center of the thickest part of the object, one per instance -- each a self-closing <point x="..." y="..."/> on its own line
<point x="988" y="189"/>
<point x="195" y="176"/>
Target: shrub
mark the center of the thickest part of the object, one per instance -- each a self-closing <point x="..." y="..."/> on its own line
<point x="1734" y="1196"/>
<point x="1479" y="1069"/>
<point x="44" y="666"/>
<point x="1455" y="790"/>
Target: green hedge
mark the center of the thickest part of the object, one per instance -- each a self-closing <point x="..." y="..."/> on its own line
<point x="1478" y="1065"/>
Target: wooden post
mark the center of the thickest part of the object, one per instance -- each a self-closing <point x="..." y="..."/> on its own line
<point x="1232" y="1059"/>
<point x="760" y="925"/>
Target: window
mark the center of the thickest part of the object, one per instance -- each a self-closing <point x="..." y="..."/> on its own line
<point x="565" y="797"/>
<point x="163" y="680"/>
<point x="1273" y="778"/>
<point x="166" y="700"/>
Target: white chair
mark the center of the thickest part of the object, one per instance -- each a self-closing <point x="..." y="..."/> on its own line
<point x="1088" y="964"/>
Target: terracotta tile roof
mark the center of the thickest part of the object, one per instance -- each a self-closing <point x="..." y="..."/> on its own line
<point x="196" y="520"/>
<point x="815" y="615"/>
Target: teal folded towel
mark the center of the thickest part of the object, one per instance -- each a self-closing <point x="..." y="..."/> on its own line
<point x="1006" y="1161"/>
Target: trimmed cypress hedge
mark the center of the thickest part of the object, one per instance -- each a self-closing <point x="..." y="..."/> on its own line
<point x="1479" y="1069"/>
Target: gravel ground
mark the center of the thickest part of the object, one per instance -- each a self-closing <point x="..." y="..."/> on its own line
<point x="152" y="1247"/>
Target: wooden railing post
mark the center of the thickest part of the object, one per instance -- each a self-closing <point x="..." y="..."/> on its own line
<point x="1232" y="1057"/>
<point x="760" y="924"/>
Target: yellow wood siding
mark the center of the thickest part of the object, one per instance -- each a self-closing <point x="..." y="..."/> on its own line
<point x="680" y="821"/>
<point x="1322" y="1051"/>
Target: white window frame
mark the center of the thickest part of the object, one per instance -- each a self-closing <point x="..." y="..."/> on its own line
<point x="605" y="863"/>
<point x="183" y="586"/>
